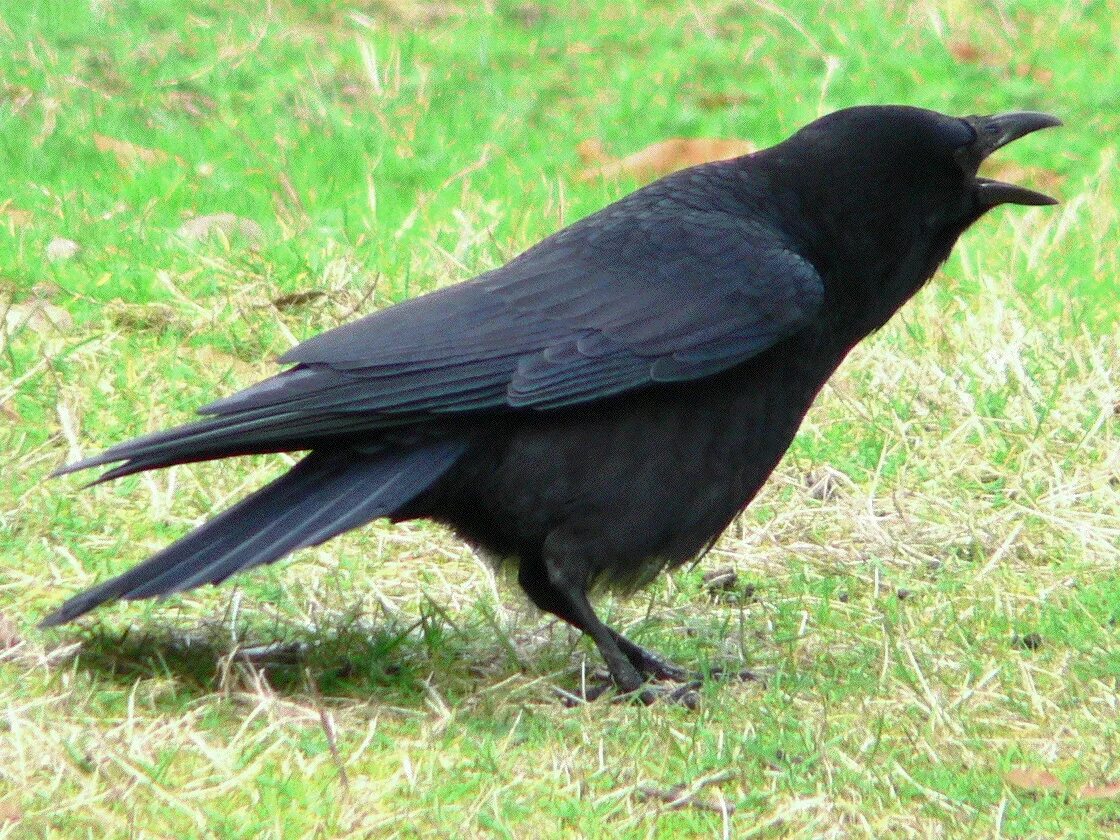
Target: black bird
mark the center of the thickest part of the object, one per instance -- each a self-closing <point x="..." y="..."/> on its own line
<point x="599" y="408"/>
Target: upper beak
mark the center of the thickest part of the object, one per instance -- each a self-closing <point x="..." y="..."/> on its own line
<point x="995" y="132"/>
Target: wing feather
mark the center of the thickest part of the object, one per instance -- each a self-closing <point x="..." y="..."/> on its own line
<point x="677" y="281"/>
<point x="619" y="301"/>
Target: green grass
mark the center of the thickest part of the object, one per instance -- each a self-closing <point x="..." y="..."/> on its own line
<point x="946" y="613"/>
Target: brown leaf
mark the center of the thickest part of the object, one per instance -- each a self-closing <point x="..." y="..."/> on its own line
<point x="528" y="14"/>
<point x="15" y="216"/>
<point x="10" y="813"/>
<point x="591" y="150"/>
<point x="966" y="52"/>
<point x="17" y="97"/>
<point x="191" y="103"/>
<point x="9" y="633"/>
<point x="128" y="154"/>
<point x="661" y="158"/>
<point x="1109" y="790"/>
<point x="722" y="100"/>
<point x="1034" y="781"/>
<point x="138" y="317"/>
<point x="297" y="299"/>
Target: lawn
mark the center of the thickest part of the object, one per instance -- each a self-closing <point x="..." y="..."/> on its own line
<point x="928" y="589"/>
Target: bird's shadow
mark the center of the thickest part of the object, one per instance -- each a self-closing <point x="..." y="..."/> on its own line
<point x="394" y="663"/>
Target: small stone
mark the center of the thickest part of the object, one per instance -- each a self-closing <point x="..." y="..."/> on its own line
<point x="38" y="316"/>
<point x="60" y="250"/>
<point x="721" y="580"/>
<point x="823" y="484"/>
<point x="201" y="227"/>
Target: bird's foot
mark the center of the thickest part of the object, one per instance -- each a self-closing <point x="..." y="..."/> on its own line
<point x="664" y="682"/>
<point x="654" y="668"/>
<point x="647" y="693"/>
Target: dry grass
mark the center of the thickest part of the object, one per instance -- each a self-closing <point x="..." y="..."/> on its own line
<point x="926" y="619"/>
<point x="927" y="586"/>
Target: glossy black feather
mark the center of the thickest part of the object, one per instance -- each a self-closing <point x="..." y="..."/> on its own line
<point x="558" y="325"/>
<point x="600" y="407"/>
<point x="326" y="493"/>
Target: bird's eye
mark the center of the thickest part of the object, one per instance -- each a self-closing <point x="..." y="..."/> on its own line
<point x="964" y="146"/>
<point x="967" y="135"/>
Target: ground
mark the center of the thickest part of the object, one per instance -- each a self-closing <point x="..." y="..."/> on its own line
<point x="927" y="589"/>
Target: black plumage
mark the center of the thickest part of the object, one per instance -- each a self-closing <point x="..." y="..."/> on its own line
<point x="599" y="408"/>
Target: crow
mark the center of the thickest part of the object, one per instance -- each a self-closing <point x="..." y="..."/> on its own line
<point x="598" y="409"/>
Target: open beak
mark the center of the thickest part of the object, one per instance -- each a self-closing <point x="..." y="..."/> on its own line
<point x="995" y="132"/>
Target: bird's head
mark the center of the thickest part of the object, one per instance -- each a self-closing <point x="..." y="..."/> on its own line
<point x="893" y="187"/>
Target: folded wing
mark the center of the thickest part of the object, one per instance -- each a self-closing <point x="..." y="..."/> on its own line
<point x="619" y="301"/>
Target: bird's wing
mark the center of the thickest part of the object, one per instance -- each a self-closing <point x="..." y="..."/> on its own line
<point x="648" y="290"/>
<point x="614" y="303"/>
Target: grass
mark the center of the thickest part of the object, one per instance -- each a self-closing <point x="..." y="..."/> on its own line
<point x="928" y="585"/>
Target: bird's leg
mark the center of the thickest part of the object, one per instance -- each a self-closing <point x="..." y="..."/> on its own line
<point x="560" y="588"/>
<point x="557" y="583"/>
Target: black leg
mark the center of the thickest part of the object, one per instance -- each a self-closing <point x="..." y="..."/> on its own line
<point x="560" y="587"/>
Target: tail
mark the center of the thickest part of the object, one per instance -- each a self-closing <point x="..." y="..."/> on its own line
<point x="249" y="433"/>
<point x="325" y="494"/>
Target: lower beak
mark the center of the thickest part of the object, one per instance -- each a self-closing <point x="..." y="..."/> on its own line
<point x="993" y="193"/>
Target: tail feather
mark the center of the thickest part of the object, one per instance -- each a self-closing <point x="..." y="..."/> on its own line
<point x="251" y="433"/>
<point x="325" y="494"/>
